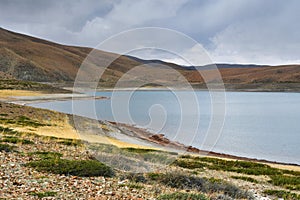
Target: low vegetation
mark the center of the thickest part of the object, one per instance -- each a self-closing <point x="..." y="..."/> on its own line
<point x="43" y="194"/>
<point x="245" y="178"/>
<point x="190" y="182"/>
<point x="182" y="196"/>
<point x="129" y="159"/>
<point x="46" y="155"/>
<point x="189" y="165"/>
<point x="6" y="148"/>
<point x="83" y="168"/>
<point x="244" y="167"/>
<point x="22" y="121"/>
<point x="285" y="178"/>
<point x="185" y="181"/>
<point x="286" y="195"/>
<point x="70" y="142"/>
<point x="289" y="182"/>
<point x="137" y="186"/>
<point x="139" y="150"/>
<point x="15" y="140"/>
<point x="13" y="84"/>
<point x="5" y="130"/>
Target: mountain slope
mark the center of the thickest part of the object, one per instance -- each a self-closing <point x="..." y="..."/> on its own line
<point x="28" y="58"/>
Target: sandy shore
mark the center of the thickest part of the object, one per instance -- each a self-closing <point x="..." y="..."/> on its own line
<point x="26" y="97"/>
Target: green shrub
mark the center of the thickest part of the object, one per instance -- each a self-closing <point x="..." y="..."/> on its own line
<point x="7" y="130"/>
<point x="245" y="178"/>
<point x="23" y="121"/>
<point x="43" y="194"/>
<point x="291" y="172"/>
<point x="153" y="176"/>
<point x="187" y="156"/>
<point x="131" y="158"/>
<point x="84" y="168"/>
<point x="135" y="177"/>
<point x="290" y="182"/>
<point x="16" y="140"/>
<point x="47" y="154"/>
<point x="135" y="186"/>
<point x="245" y="167"/>
<point x="189" y="164"/>
<point x="138" y="150"/>
<point x="283" y="194"/>
<point x="182" y="196"/>
<point x="70" y="142"/>
<point x="6" y="148"/>
<point x="189" y="182"/>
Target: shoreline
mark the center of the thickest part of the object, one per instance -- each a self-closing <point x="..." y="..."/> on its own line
<point x="136" y="133"/>
<point x="161" y="140"/>
<point x="24" y="100"/>
<point x="184" y="89"/>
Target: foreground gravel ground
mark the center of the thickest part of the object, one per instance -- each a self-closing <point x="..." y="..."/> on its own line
<point x="20" y="182"/>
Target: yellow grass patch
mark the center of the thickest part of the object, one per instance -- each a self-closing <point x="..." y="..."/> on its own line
<point x="122" y="144"/>
<point x="12" y="93"/>
<point x="61" y="129"/>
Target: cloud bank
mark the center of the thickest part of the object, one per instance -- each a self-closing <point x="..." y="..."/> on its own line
<point x="232" y="31"/>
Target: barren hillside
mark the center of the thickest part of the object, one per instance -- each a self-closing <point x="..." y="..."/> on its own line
<point x="28" y="58"/>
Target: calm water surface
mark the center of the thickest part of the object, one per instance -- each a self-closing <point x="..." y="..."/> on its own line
<point x="256" y="124"/>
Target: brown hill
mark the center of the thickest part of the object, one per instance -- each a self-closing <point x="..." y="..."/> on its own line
<point x="28" y="58"/>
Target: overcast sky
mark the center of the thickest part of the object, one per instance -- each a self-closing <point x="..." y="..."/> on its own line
<point x="232" y="31"/>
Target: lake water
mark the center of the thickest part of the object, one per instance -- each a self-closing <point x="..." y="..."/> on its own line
<point x="256" y="124"/>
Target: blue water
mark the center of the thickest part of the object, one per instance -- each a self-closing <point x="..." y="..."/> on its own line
<point x="256" y="125"/>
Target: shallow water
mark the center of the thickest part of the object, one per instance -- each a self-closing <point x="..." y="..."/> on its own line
<point x="256" y="124"/>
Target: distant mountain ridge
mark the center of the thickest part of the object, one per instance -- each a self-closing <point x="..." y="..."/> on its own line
<point x="219" y="65"/>
<point x="28" y="58"/>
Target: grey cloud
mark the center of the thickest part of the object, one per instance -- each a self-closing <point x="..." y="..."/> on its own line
<point x="248" y="31"/>
<point x="270" y="38"/>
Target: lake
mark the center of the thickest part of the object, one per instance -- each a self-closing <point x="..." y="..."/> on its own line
<point x="258" y="125"/>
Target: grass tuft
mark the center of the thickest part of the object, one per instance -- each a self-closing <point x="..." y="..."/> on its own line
<point x="83" y="168"/>
<point x="43" y="194"/>
<point x="70" y="142"/>
<point x="182" y="196"/>
<point x="137" y="186"/>
<point x="282" y="194"/>
<point x="47" y="154"/>
<point x="15" y="140"/>
<point x="5" y="130"/>
<point x="6" y="148"/>
<point x="245" y="178"/>
<point x="135" y="177"/>
<point x="189" y="165"/>
<point x="183" y="181"/>
<point x="139" y="150"/>
<point x="244" y="167"/>
<point x="23" y="121"/>
<point x="290" y="182"/>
